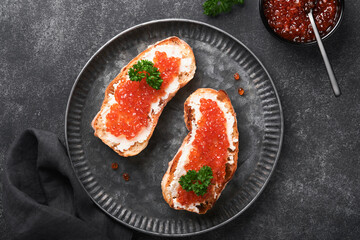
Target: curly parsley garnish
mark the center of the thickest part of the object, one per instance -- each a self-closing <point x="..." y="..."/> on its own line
<point x="145" y="69"/>
<point x="197" y="182"/>
<point x="215" y="7"/>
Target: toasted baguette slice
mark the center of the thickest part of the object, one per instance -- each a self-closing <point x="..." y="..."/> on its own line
<point x="170" y="182"/>
<point x="174" y="47"/>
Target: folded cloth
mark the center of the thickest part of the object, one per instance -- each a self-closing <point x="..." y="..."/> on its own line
<point x="43" y="199"/>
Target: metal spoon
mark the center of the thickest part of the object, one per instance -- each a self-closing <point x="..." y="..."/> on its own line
<point x="331" y="74"/>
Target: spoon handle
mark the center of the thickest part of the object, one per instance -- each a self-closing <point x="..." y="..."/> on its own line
<point x="329" y="69"/>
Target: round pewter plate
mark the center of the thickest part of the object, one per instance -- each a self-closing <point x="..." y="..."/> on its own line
<point x="138" y="203"/>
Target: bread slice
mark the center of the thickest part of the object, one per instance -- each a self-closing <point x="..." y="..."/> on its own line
<point x="170" y="182"/>
<point x="174" y="47"/>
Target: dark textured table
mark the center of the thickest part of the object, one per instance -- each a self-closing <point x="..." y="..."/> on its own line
<point x="315" y="189"/>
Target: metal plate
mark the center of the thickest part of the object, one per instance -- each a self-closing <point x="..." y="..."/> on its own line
<point x="138" y="203"/>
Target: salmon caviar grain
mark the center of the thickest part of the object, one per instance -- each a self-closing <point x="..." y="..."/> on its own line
<point x="237" y="76"/>
<point x="126" y="177"/>
<point x="241" y="91"/>
<point x="114" y="166"/>
<point x="210" y="147"/>
<point x="131" y="112"/>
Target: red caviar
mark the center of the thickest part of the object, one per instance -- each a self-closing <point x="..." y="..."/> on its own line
<point x="126" y="176"/>
<point x="236" y="76"/>
<point x="131" y="113"/>
<point x="114" y="166"/>
<point x="210" y="148"/>
<point x="288" y="18"/>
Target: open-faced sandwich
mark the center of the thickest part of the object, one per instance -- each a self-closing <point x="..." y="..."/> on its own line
<point x="135" y="99"/>
<point x="207" y="158"/>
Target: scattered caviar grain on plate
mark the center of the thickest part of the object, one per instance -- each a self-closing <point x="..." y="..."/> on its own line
<point x="241" y="91"/>
<point x="114" y="166"/>
<point x="237" y="76"/>
<point x="126" y="177"/>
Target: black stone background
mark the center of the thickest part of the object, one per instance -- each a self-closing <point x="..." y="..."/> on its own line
<point x="314" y="191"/>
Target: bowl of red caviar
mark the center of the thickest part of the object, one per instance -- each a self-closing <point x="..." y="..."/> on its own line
<point x="287" y="20"/>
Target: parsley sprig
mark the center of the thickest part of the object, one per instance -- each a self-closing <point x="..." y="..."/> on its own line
<point x="145" y="69"/>
<point x="215" y="7"/>
<point x="197" y="182"/>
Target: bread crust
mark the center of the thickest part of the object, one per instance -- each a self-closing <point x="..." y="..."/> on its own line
<point x="183" y="78"/>
<point x="189" y="117"/>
